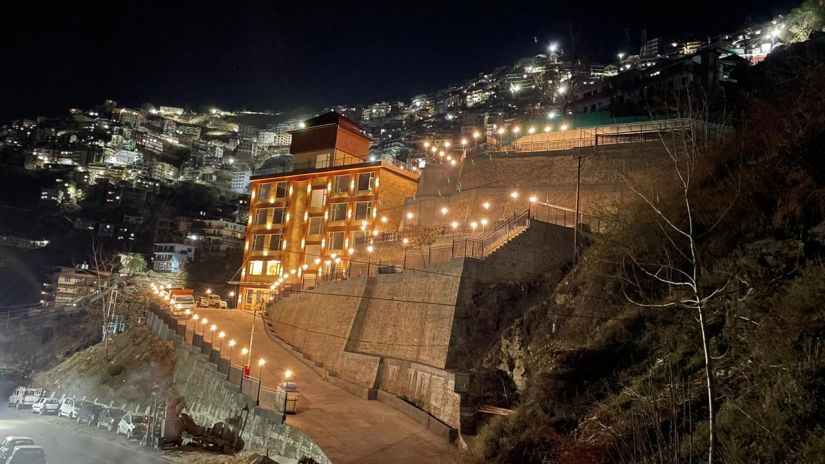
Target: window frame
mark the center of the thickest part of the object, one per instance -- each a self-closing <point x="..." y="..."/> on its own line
<point x="332" y="209"/>
<point x="368" y="215"/>
<point x="336" y="184"/>
<point x="330" y="241"/>
<point x="371" y="183"/>
<point x="318" y="220"/>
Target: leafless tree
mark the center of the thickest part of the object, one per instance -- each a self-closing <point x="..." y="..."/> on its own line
<point x="105" y="266"/>
<point x="677" y="271"/>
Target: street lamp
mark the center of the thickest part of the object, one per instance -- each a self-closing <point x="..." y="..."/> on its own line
<point x="208" y="291"/>
<point x="204" y="321"/>
<point x="212" y="329"/>
<point x="483" y="224"/>
<point x="261" y="363"/>
<point x="287" y="376"/>
<point x="221" y="334"/>
<point x="231" y="349"/>
<point x="514" y="196"/>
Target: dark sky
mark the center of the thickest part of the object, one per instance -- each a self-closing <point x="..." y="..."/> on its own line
<point x="285" y="55"/>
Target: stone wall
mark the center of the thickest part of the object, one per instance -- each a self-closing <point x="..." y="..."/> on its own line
<point x="210" y="398"/>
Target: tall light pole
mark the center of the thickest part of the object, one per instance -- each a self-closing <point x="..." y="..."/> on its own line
<point x="212" y="329"/>
<point x="287" y="376"/>
<point x="204" y="321"/>
<point x="221" y="334"/>
<point x="514" y="196"/>
<point x="261" y="363"/>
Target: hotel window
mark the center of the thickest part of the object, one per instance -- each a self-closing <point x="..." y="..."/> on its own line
<point x="278" y="215"/>
<point x="281" y="190"/>
<point x="317" y="198"/>
<point x="316" y="224"/>
<point x="256" y="267"/>
<point x="361" y="237"/>
<point x="261" y="216"/>
<point x="341" y="184"/>
<point x="363" y="210"/>
<point x="258" y="242"/>
<point x="338" y="212"/>
<point x="336" y="241"/>
<point x="273" y="267"/>
<point x="322" y="161"/>
<point x="365" y="181"/>
<point x="275" y="241"/>
<point x="264" y="192"/>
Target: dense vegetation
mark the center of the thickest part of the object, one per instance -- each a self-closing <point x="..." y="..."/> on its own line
<point x="614" y="373"/>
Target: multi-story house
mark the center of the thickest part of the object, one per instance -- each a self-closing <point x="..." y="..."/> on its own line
<point x="68" y="285"/>
<point x="172" y="257"/>
<point x="308" y="219"/>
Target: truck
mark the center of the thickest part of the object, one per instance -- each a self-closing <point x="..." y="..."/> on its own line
<point x="25" y="397"/>
<point x="181" y="299"/>
<point x="212" y="301"/>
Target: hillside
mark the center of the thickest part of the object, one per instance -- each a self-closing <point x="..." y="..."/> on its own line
<point x="609" y="363"/>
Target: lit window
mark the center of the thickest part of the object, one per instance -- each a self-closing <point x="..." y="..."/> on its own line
<point x="336" y="241"/>
<point x="322" y="161"/>
<point x="316" y="224"/>
<point x="365" y="181"/>
<point x="341" y="184"/>
<point x="256" y="267"/>
<point x="273" y="267"/>
<point x="338" y="212"/>
<point x="363" y="210"/>
<point x="317" y="198"/>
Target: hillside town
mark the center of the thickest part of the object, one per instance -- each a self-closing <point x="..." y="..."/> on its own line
<point x="500" y="270"/>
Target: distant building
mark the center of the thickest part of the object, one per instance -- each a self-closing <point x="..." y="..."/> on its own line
<point x="124" y="158"/>
<point x="240" y="180"/>
<point x="129" y="117"/>
<point x="171" y="111"/>
<point x="217" y="235"/>
<point x="171" y="257"/>
<point x="68" y="285"/>
<point x="163" y="171"/>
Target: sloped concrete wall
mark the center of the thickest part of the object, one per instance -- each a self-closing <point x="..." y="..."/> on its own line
<point x="210" y="398"/>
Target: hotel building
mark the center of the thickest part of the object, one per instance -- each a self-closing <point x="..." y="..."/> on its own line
<point x="310" y="219"/>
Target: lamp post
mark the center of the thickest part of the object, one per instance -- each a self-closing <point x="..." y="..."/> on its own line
<point x="204" y="321"/>
<point x="261" y="363"/>
<point x="369" y="258"/>
<point x="514" y="196"/>
<point x="212" y="329"/>
<point x="244" y="353"/>
<point x="287" y="376"/>
<point x="221" y="334"/>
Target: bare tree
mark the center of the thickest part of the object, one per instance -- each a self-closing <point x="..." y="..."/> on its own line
<point x="105" y="267"/>
<point x="677" y="271"/>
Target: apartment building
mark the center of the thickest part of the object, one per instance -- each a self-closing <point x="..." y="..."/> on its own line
<point x="308" y="219"/>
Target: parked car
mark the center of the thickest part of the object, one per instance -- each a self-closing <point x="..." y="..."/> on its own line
<point x="27" y="454"/>
<point x="88" y="413"/>
<point x="69" y="408"/>
<point x="9" y="443"/>
<point x="46" y="406"/>
<point x="109" y="418"/>
<point x="212" y="301"/>
<point x="133" y="426"/>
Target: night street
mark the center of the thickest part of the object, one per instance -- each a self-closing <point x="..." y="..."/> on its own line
<point x="63" y="445"/>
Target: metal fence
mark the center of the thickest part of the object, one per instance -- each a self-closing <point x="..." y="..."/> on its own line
<point x="566" y="217"/>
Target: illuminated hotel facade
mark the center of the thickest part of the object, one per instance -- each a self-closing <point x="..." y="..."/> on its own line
<point x="310" y="220"/>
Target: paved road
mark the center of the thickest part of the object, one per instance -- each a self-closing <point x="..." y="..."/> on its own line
<point x="347" y="428"/>
<point x="65" y="446"/>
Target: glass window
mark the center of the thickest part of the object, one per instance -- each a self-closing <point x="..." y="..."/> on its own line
<point x="278" y="215"/>
<point x="261" y="216"/>
<point x="341" y="184"/>
<point x="361" y="237"/>
<point x="281" y="189"/>
<point x="316" y="225"/>
<point x="317" y="198"/>
<point x="273" y="267"/>
<point x="322" y="161"/>
<point x="258" y="242"/>
<point x="338" y="212"/>
<point x="365" y="181"/>
<point x="336" y="241"/>
<point x="275" y="241"/>
<point x="256" y="267"/>
<point x="363" y="210"/>
<point x="264" y="191"/>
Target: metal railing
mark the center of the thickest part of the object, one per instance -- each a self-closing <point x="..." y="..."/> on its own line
<point x="566" y="217"/>
<point x="337" y="161"/>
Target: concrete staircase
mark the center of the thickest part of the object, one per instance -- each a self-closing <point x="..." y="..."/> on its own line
<point x="504" y="240"/>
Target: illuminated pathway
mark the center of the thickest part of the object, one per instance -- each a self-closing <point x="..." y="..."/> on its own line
<point x="348" y="429"/>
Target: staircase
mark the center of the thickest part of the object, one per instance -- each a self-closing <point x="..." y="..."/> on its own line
<point x="504" y="240"/>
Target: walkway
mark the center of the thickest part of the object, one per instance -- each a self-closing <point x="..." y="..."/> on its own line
<point x="347" y="428"/>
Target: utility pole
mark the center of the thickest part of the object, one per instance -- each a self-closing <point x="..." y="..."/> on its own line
<point x="576" y="219"/>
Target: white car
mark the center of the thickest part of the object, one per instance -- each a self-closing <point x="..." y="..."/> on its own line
<point x="133" y="426"/>
<point x="45" y="406"/>
<point x="24" y="397"/>
<point x="68" y="408"/>
<point x="10" y="443"/>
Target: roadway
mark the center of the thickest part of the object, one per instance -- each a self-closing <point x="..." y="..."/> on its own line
<point x="347" y="428"/>
<point x="66" y="446"/>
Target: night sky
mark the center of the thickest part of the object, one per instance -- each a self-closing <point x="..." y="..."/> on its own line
<point x="293" y="55"/>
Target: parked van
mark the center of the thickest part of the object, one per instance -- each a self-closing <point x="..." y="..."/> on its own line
<point x="181" y="299"/>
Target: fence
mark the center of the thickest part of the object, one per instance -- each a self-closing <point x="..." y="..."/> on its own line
<point x="566" y="217"/>
<point x="251" y="387"/>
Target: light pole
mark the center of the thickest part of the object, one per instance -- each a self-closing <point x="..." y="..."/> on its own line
<point x="244" y="353"/>
<point x="212" y="329"/>
<point x="287" y="376"/>
<point x="261" y="363"/>
<point x="204" y="321"/>
<point x="514" y="196"/>
<point x="231" y="348"/>
<point x="221" y="334"/>
<point x="369" y="258"/>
